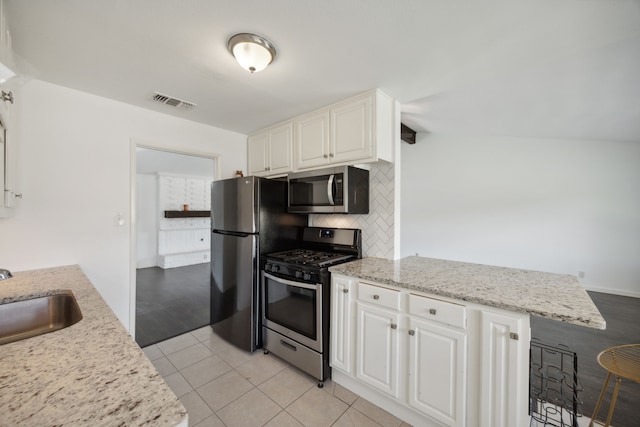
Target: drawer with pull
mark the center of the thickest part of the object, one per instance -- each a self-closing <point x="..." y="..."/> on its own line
<point x="378" y="295"/>
<point x="438" y="310"/>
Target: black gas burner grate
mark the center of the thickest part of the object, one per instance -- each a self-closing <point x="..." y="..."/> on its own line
<point x="310" y="257"/>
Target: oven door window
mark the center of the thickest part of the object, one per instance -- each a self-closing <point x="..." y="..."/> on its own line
<point x="293" y="307"/>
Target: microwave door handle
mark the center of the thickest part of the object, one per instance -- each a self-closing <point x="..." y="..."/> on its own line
<point x="330" y="190"/>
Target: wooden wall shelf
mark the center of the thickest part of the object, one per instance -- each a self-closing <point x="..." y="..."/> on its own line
<point x="187" y="214"/>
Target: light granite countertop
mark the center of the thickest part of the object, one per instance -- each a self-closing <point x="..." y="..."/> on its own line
<point x="89" y="374"/>
<point x="553" y="296"/>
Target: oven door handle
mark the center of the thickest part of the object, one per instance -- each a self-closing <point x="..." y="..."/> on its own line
<point x="330" y="190"/>
<point x="289" y="282"/>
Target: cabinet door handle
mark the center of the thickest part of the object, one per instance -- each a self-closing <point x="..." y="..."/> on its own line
<point x="432" y="311"/>
<point x="331" y="154"/>
<point x="394" y="326"/>
<point x="376" y="297"/>
<point x="346" y="291"/>
<point x="325" y="156"/>
<point x="412" y="332"/>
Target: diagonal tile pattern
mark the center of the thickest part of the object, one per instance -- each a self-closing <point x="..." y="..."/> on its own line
<point x="220" y="385"/>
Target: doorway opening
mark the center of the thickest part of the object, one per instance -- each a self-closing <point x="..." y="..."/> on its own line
<point x="172" y="243"/>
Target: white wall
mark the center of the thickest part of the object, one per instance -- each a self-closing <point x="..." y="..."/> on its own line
<point x="146" y="220"/>
<point x="555" y="205"/>
<point x="74" y="172"/>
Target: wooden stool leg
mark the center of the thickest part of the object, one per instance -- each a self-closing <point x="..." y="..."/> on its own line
<point x="604" y="389"/>
<point x="613" y="400"/>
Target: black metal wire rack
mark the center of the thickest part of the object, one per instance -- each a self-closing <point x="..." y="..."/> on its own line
<point x="553" y="386"/>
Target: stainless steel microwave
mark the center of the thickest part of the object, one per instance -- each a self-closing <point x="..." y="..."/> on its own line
<point x="343" y="189"/>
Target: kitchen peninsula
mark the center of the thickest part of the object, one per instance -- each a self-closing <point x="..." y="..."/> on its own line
<point x="445" y="343"/>
<point x="553" y="296"/>
<point x="90" y="373"/>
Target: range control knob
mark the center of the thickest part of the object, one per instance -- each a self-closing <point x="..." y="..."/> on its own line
<point x="307" y="276"/>
<point x="267" y="267"/>
<point x="298" y="274"/>
<point x="275" y="268"/>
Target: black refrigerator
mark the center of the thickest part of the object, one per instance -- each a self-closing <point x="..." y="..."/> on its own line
<point x="248" y="218"/>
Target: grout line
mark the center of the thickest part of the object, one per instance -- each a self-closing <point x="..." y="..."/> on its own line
<point x="253" y="386"/>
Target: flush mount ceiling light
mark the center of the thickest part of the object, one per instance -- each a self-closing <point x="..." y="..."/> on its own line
<point x="252" y="52"/>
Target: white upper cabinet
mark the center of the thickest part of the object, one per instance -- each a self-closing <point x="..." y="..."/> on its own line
<point x="8" y="162"/>
<point x="312" y="140"/>
<point x="257" y="153"/>
<point x="269" y="151"/>
<point x="357" y="130"/>
<point x="8" y="144"/>
<point x="280" y="144"/>
<point x="351" y="130"/>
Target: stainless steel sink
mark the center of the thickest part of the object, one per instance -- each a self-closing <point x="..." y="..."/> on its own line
<point x="37" y="316"/>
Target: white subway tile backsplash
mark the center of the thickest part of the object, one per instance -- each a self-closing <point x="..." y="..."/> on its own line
<point x="377" y="226"/>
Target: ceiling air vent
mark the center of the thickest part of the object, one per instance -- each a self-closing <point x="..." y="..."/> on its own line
<point x="171" y="101"/>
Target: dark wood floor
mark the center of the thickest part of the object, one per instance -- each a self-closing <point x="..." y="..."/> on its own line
<point x="623" y="327"/>
<point x="171" y="302"/>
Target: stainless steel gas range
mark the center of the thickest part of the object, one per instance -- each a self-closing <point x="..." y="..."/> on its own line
<point x="296" y="297"/>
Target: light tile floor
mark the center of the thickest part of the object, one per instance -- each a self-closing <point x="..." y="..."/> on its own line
<point x="220" y="385"/>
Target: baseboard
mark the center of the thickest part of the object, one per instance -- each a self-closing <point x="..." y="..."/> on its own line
<point x="387" y="403"/>
<point x="183" y="259"/>
<point x="146" y="263"/>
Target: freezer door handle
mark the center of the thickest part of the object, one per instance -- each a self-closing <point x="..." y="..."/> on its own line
<point x="232" y="233"/>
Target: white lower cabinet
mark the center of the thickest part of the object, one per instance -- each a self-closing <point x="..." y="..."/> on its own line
<point x="430" y="361"/>
<point x="342" y="314"/>
<point x="437" y="371"/>
<point x="504" y="379"/>
<point x="377" y="348"/>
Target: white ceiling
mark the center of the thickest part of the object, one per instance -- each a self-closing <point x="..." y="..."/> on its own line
<point x="525" y="68"/>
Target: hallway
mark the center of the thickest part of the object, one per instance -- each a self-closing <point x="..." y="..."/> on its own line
<point x="170" y="302"/>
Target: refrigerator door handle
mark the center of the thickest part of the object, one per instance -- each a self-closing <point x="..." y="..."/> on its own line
<point x="232" y="233"/>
